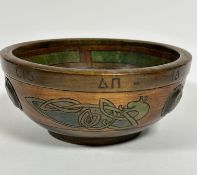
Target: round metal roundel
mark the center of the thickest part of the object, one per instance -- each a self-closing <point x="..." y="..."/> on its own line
<point x="12" y="94"/>
<point x="172" y="100"/>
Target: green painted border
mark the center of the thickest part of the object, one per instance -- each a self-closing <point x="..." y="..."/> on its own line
<point x="127" y="58"/>
<point x="56" y="58"/>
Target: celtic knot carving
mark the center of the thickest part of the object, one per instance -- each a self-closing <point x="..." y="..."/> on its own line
<point x="105" y="114"/>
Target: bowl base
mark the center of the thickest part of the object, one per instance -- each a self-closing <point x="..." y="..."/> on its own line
<point x="94" y="141"/>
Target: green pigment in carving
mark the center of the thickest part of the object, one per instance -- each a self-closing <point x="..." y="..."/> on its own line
<point x="73" y="114"/>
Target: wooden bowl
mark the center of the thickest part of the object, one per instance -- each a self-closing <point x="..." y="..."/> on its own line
<point x="95" y="91"/>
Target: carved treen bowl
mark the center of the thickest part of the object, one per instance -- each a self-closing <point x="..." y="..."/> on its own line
<point x="95" y="91"/>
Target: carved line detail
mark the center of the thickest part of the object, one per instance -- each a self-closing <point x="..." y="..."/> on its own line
<point x="99" y="116"/>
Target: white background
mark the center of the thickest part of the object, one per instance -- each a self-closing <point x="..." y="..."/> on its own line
<point x="169" y="147"/>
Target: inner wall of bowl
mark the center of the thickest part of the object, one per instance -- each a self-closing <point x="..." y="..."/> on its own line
<point x="111" y="59"/>
<point x="100" y="55"/>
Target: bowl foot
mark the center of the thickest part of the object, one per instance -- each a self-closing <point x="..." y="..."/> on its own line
<point x="94" y="141"/>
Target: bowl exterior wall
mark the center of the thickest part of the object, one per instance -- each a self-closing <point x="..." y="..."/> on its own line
<point x="95" y="114"/>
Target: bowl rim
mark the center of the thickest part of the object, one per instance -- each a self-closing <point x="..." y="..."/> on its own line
<point x="184" y="58"/>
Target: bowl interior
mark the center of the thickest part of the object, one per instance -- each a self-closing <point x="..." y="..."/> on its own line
<point x="97" y="54"/>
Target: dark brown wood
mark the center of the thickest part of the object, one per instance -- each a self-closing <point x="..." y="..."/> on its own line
<point x="94" y="141"/>
<point x="90" y="102"/>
